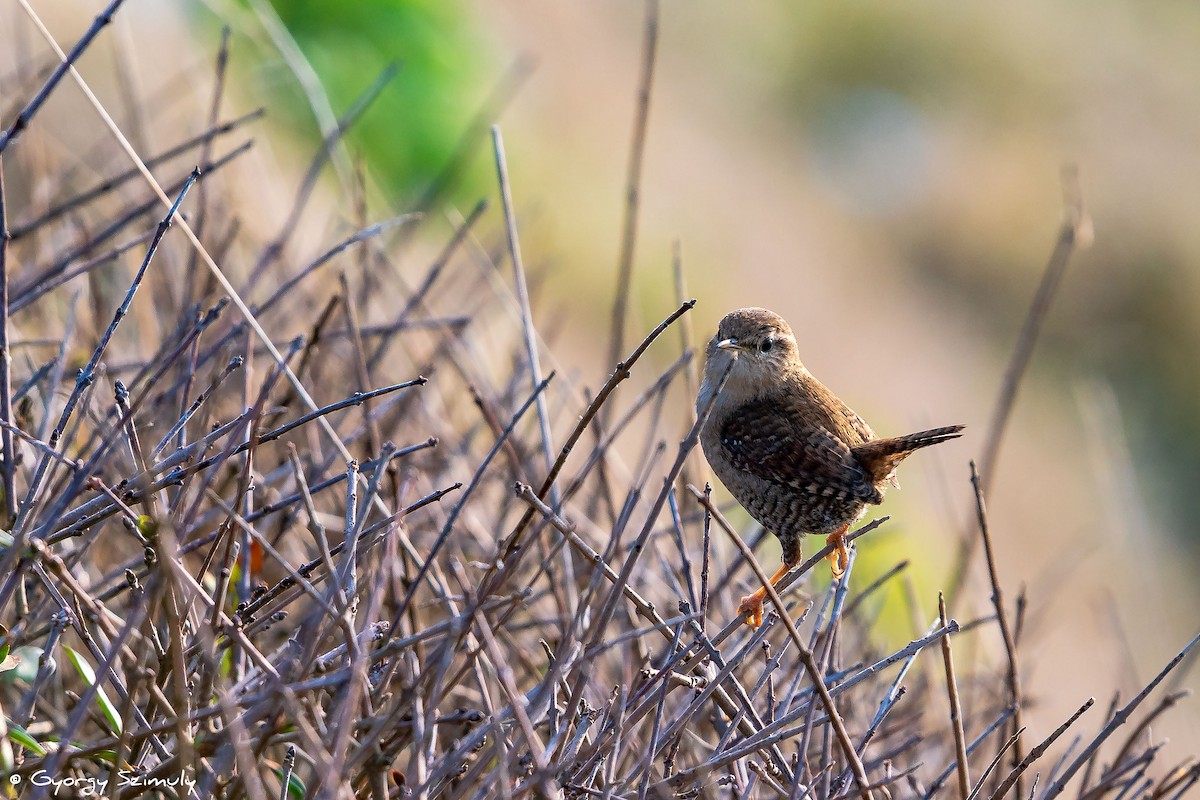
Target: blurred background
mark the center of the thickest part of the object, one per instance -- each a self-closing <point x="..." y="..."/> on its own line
<point x="887" y="178"/>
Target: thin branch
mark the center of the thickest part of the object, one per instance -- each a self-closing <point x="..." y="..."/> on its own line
<point x="1010" y="646"/>
<point x="448" y="526"/>
<point x="960" y="739"/>
<point x="87" y="374"/>
<point x="108" y="184"/>
<point x="633" y="180"/>
<point x="275" y="248"/>
<point x="6" y="410"/>
<point x="991" y="767"/>
<point x="806" y="656"/>
<point x="27" y="113"/>
<point x="1038" y="751"/>
<point x="1075" y="230"/>
<point x="527" y="327"/>
<point x="205" y="256"/>
<point x="621" y="372"/>
<point x="1117" y="721"/>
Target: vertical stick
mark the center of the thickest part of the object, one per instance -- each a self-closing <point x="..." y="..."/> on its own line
<point x="637" y="150"/>
<point x="6" y="439"/>
<point x="1010" y="647"/>
<point x="806" y="655"/>
<point x="960" y="739"/>
<point x="514" y="247"/>
<point x="1075" y="230"/>
<point x="531" y="348"/>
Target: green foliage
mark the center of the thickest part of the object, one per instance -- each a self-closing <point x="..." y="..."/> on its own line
<point x="295" y="787"/>
<point x="85" y="670"/>
<point x="409" y="135"/>
<point x="19" y="735"/>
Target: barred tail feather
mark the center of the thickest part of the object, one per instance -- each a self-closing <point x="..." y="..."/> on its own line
<point x="880" y="456"/>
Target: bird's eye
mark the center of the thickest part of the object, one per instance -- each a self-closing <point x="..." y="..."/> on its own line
<point x="766" y="345"/>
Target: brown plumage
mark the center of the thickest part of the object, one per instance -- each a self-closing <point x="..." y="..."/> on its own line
<point x="786" y="447"/>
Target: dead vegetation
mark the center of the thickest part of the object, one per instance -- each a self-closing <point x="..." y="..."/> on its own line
<point x="394" y="556"/>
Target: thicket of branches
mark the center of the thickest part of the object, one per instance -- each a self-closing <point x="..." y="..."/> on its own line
<point x="324" y="522"/>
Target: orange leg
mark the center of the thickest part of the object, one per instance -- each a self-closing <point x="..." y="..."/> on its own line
<point x="753" y="603"/>
<point x="840" y="557"/>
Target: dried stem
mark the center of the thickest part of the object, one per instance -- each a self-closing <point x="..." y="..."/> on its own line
<point x="1010" y="647"/>
<point x="1074" y="232"/>
<point x="218" y="545"/>
<point x="527" y="327"/>
<point x="956" y="722"/>
<point x="6" y="410"/>
<point x="1118" y="719"/>
<point x="1038" y="751"/>
<point x="27" y="114"/>
<point x="633" y="180"/>
<point x="806" y="656"/>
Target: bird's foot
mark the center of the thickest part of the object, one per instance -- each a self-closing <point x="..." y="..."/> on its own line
<point x="752" y="605"/>
<point x="839" y="559"/>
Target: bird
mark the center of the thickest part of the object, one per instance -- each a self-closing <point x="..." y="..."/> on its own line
<point x="796" y="457"/>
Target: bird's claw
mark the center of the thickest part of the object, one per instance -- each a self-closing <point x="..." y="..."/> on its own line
<point x="752" y="604"/>
<point x="839" y="559"/>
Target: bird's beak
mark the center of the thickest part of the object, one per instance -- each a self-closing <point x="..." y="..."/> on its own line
<point x="729" y="344"/>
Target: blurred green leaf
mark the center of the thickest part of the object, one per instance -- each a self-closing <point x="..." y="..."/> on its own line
<point x="89" y="676"/>
<point x="295" y="786"/>
<point x="19" y="735"/>
<point x="410" y="133"/>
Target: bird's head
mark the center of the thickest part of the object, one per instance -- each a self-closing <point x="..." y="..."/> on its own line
<point x="760" y="347"/>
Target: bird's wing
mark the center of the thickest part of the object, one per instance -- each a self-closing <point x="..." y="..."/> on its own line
<point x="763" y="440"/>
